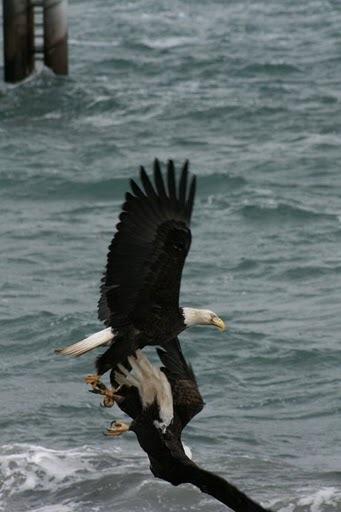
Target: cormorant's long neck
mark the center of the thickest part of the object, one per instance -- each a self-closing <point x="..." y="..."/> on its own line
<point x="222" y="490"/>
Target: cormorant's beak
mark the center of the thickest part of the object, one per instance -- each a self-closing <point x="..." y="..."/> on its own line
<point x="219" y="323"/>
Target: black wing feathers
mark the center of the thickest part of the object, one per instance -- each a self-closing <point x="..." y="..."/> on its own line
<point x="148" y="251"/>
<point x="136" y="190"/>
<point x="183" y="182"/>
<point x="171" y="182"/>
<point x="159" y="180"/>
<point x="190" y="201"/>
<point x="186" y="395"/>
<point x="176" y="366"/>
<point x="148" y="187"/>
<point x="218" y="487"/>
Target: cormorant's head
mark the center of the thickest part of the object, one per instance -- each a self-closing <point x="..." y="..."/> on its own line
<point x="194" y="316"/>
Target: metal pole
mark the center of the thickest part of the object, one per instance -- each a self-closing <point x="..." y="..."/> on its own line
<point x="55" y="36"/>
<point x="18" y="39"/>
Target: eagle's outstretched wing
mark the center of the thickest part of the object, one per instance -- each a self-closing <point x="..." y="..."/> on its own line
<point x="147" y="254"/>
<point x="177" y="469"/>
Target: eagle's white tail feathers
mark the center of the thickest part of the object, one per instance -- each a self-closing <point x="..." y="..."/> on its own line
<point x="82" y="347"/>
<point x="152" y="385"/>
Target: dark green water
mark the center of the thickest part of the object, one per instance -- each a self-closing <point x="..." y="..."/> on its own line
<point x="249" y="91"/>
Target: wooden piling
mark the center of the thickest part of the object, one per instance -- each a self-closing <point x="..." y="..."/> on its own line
<point x="20" y="47"/>
<point x="18" y="25"/>
<point x="55" y="36"/>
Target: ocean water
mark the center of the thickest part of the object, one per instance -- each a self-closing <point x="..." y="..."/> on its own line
<point x="249" y="91"/>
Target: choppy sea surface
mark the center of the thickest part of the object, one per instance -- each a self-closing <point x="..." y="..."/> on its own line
<point x="249" y="91"/>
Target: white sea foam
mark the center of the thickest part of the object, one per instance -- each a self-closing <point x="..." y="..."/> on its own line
<point x="167" y="42"/>
<point x="25" y="467"/>
<point x="308" y="500"/>
<point x="96" y="44"/>
<point x="31" y="470"/>
<point x="62" y="507"/>
<point x="324" y="496"/>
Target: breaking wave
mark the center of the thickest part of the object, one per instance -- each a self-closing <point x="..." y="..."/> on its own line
<point x="70" y="480"/>
<point x="32" y="473"/>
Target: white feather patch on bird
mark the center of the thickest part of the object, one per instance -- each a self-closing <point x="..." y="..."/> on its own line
<point x="187" y="451"/>
<point x="152" y="385"/>
<point x="165" y="401"/>
<point x="97" y="339"/>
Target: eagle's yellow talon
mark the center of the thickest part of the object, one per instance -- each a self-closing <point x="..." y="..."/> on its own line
<point x="117" y="428"/>
<point x="101" y="389"/>
<point x="93" y="380"/>
<point x="109" y="398"/>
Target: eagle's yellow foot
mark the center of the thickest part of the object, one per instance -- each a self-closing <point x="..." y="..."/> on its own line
<point x="94" y="381"/>
<point x="109" y="397"/>
<point x="101" y="389"/>
<point x="117" y="428"/>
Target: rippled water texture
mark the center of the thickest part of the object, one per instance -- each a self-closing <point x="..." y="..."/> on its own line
<point x="250" y="93"/>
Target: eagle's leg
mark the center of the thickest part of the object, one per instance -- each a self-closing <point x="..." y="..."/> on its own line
<point x="109" y="397"/>
<point x="117" y="428"/>
<point x="94" y="380"/>
<point x="99" y="388"/>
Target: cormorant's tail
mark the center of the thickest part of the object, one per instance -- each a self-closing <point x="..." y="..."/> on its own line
<point x="82" y="347"/>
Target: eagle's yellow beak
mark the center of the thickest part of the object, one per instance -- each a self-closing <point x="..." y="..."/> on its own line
<point x="219" y="323"/>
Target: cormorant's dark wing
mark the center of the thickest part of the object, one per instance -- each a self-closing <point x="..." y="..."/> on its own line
<point x="186" y="395"/>
<point x="148" y="251"/>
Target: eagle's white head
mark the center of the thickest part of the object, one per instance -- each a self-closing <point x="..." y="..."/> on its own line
<point x="194" y="316"/>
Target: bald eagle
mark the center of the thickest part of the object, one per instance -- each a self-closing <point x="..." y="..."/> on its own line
<point x="161" y="402"/>
<point x="139" y="299"/>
